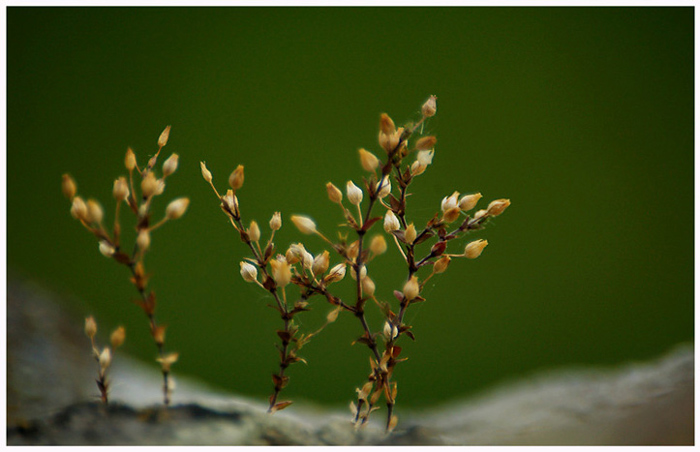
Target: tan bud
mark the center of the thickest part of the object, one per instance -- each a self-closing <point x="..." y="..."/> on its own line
<point x="281" y="271"/>
<point x="386" y="125"/>
<point x="410" y="234"/>
<point x="95" y="214"/>
<point x="177" y="208"/>
<point x="354" y="193"/>
<point x="295" y="253"/>
<point x="353" y="250"/>
<point x="90" y="327"/>
<point x="79" y="209"/>
<point x="163" y="138"/>
<point x="321" y="263"/>
<point x="120" y="191"/>
<point x="206" y="174"/>
<point x="336" y="274"/>
<point x="417" y="168"/>
<point x="143" y="240"/>
<point x="305" y="224"/>
<point x="307" y="260"/>
<point x="378" y="245"/>
<point x="468" y="202"/>
<point x="411" y="289"/>
<point x="430" y="107"/>
<point x="368" y="287"/>
<point x="276" y="221"/>
<point x="105" y="358"/>
<point x="235" y="180"/>
<point x="451" y="215"/>
<point x="254" y="231"/>
<point x="368" y="160"/>
<point x="474" y="249"/>
<point x="230" y="201"/>
<point x="106" y="249"/>
<point x="130" y="160"/>
<point x="149" y="185"/>
<point x="334" y="193"/>
<point x="480" y="213"/>
<point x="391" y="222"/>
<point x="441" y="265"/>
<point x="248" y="272"/>
<point x="426" y="143"/>
<point x="497" y="207"/>
<point x="117" y="338"/>
<point x="68" y="186"/>
<point x="170" y="165"/>
<point x="449" y="202"/>
<point x="383" y="187"/>
<point x="390" y="141"/>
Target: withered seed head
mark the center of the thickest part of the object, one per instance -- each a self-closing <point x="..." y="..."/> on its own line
<point x="143" y="240"/>
<point x="95" y="214"/>
<point x="281" y="271"/>
<point x="468" y="202"/>
<point x="385" y="188"/>
<point x="368" y="287"/>
<point x="441" y="265"/>
<point x="106" y="249"/>
<point x="68" y="186"/>
<point x="321" y="263"/>
<point x="149" y="185"/>
<point x="449" y="202"/>
<point x="386" y="125"/>
<point x="410" y="234"/>
<point x="254" y="231"/>
<point x="336" y="274"/>
<point x="378" y="245"/>
<point x="452" y="214"/>
<point x="426" y="143"/>
<point x="105" y="358"/>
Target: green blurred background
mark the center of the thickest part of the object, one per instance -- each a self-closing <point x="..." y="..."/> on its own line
<point x="583" y="117"/>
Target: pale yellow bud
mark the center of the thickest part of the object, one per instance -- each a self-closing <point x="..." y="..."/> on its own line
<point x="143" y="240"/>
<point x="295" y="253"/>
<point x="411" y="289"/>
<point x="230" y="201"/>
<point x="354" y="193"/>
<point x="353" y="250"/>
<point x="480" y="213"/>
<point x="163" y="138"/>
<point x="451" y="215"/>
<point x="336" y="274"/>
<point x="177" y="208"/>
<point x="106" y="249"/>
<point x="367" y="287"/>
<point x="149" y="185"/>
<point x="235" y="180"/>
<point x="386" y="124"/>
<point x="307" y="259"/>
<point x="248" y="272"/>
<point x="79" y="209"/>
<point x="321" y="263"/>
<point x="378" y="245"/>
<point x="468" y="202"/>
<point x="276" y="221"/>
<point x="368" y="160"/>
<point x="120" y="191"/>
<point x="105" y="358"/>
<point x="353" y="273"/>
<point x="425" y="157"/>
<point x="281" y="271"/>
<point x="94" y="212"/>
<point x="426" y="143"/>
<point x="90" y="327"/>
<point x="410" y="234"/>
<point x="160" y="187"/>
<point x="430" y="107"/>
<point x="117" y="338"/>
<point x="390" y="331"/>
<point x="170" y="165"/>
<point x="417" y="168"/>
<point x="206" y="174"/>
<point x="497" y="207"/>
<point x="68" y="186"/>
<point x="390" y="141"/>
<point x="449" y="202"/>
<point x="254" y="231"/>
<point x="441" y="265"/>
<point x="391" y="222"/>
<point x="384" y="187"/>
<point x="305" y="224"/>
<point x="334" y="193"/>
<point x="474" y="249"/>
<point x="130" y="160"/>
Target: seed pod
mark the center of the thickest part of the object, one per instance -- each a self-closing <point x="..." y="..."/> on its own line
<point x="130" y="160"/>
<point x="391" y="222"/>
<point x="321" y="263"/>
<point x="410" y="234"/>
<point x="248" y="272"/>
<point x="305" y="224"/>
<point x="474" y="249"/>
<point x="378" y="245"/>
<point x="78" y="209"/>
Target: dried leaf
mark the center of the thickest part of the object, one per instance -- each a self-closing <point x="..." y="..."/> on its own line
<point x="280" y="406"/>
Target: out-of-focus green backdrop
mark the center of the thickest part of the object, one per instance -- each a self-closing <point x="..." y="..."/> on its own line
<point x="583" y="117"/>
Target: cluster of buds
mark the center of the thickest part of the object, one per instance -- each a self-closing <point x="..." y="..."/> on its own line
<point x="91" y="216"/>
<point x="104" y="356"/>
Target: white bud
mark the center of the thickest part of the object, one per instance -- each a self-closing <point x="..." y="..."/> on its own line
<point x="106" y="249"/>
<point x="79" y="209"/>
<point x="353" y="273"/>
<point x="449" y="202"/>
<point x="248" y="272"/>
<point x="336" y="274"/>
<point x="177" y="208"/>
<point x="305" y="224"/>
<point x="385" y="187"/>
<point x="391" y="222"/>
<point x="170" y="165"/>
<point x="368" y="287"/>
<point x="354" y="193"/>
<point x="276" y="221"/>
<point x="105" y="358"/>
<point x="425" y="158"/>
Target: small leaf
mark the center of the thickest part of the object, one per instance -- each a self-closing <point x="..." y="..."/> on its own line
<point x="280" y="406"/>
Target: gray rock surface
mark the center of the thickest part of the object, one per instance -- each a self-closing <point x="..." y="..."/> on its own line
<point x="638" y="403"/>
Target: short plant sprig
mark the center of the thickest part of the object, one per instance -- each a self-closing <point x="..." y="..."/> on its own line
<point x="104" y="357"/>
<point x="90" y="215"/>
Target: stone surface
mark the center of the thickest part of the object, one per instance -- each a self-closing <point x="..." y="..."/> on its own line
<point x="637" y="403"/>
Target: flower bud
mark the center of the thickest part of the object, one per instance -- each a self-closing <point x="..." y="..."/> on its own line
<point x="386" y="125"/>
<point x="378" y="245"/>
<point x="149" y="185"/>
<point x="307" y="260"/>
<point x="383" y="187"/>
<point x="130" y="160"/>
<point x="425" y="157"/>
<point x="170" y="165"/>
<point x="368" y="160"/>
<point x="206" y="174"/>
<point x="281" y="271"/>
<point x="235" y="180"/>
<point x="230" y="202"/>
<point x="295" y="253"/>
<point x="451" y="215"/>
<point x="497" y="207"/>
<point x="441" y="265"/>
<point x="368" y="287"/>
<point x="79" y="209"/>
<point x="120" y="191"/>
<point x="90" y="327"/>
<point x="353" y="273"/>
<point x="106" y="249"/>
<point x="390" y="331"/>
<point x="254" y="231"/>
<point x="354" y="193"/>
<point x="163" y="138"/>
<point x="143" y="240"/>
<point x="474" y="249"/>
<point x="160" y="187"/>
<point x="68" y="186"/>
<point x="94" y="212"/>
<point x="391" y="222"/>
<point x="276" y="221"/>
<point x="411" y="288"/>
<point x="468" y="202"/>
<point x="429" y="107"/>
<point x="336" y="274"/>
<point x="449" y="202"/>
<point x="426" y="143"/>
<point x="417" y="168"/>
<point x="105" y="358"/>
<point x="177" y="208"/>
<point x="305" y="224"/>
<point x="321" y="263"/>
<point x="353" y="250"/>
<point x="248" y="272"/>
<point x="410" y="234"/>
<point x="117" y="338"/>
<point x="480" y="213"/>
<point x="334" y="193"/>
